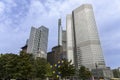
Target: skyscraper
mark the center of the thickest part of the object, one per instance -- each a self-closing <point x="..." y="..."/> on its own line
<point x="38" y="40"/>
<point x="64" y="40"/>
<point x="69" y="33"/>
<point x="58" y="52"/>
<point x="83" y="46"/>
<point x="59" y="32"/>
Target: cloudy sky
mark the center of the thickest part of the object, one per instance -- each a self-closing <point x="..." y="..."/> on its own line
<point x="17" y="17"/>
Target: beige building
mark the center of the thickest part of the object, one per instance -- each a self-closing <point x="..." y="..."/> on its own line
<point x="69" y="33"/>
<point x="64" y="41"/>
<point x="83" y="44"/>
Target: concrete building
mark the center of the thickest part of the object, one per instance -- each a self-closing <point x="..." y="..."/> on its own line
<point x="105" y="74"/>
<point x="24" y="49"/>
<point x="83" y="44"/>
<point x="50" y="57"/>
<point x="64" y="41"/>
<point x="116" y="72"/>
<point x="69" y="35"/>
<point x="38" y="41"/>
<point x="59" y="32"/>
<point x="58" y="52"/>
<point x="56" y="55"/>
<point x="119" y="69"/>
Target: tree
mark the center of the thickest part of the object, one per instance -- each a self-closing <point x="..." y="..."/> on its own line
<point x="116" y="73"/>
<point x="48" y="70"/>
<point x="8" y="64"/>
<point x="84" y="73"/>
<point x="25" y="66"/>
<point x="42" y="68"/>
<point x="65" y="68"/>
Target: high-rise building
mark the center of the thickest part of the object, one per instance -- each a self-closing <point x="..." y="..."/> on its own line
<point x="58" y="52"/>
<point x="59" y="32"/>
<point x="38" y="41"/>
<point x="83" y="44"/>
<point x="69" y="33"/>
<point x="64" y="41"/>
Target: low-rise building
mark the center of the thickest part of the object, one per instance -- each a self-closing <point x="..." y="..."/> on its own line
<point x="116" y="72"/>
<point x="102" y="73"/>
<point x="24" y="48"/>
<point x="56" y="55"/>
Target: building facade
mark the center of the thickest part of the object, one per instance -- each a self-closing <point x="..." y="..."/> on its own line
<point x="83" y="45"/>
<point x="24" y="49"/>
<point x="64" y="41"/>
<point x="56" y="55"/>
<point x="58" y="52"/>
<point x="69" y="36"/>
<point x="105" y="74"/>
<point x="59" y="32"/>
<point x="38" y="41"/>
<point x="116" y="72"/>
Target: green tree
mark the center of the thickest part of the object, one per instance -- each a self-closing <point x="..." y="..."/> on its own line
<point x="84" y="73"/>
<point x="116" y="73"/>
<point x="8" y="63"/>
<point x="65" y="68"/>
<point x="25" y="66"/>
<point x="41" y="66"/>
<point x="48" y="70"/>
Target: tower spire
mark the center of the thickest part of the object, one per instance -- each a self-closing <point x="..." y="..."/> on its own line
<point x="59" y="32"/>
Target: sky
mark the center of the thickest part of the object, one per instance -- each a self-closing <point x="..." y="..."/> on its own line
<point x="17" y="17"/>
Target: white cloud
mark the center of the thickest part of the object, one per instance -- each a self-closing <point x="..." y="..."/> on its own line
<point x="38" y="13"/>
<point x="106" y="11"/>
<point x="111" y="40"/>
<point x="2" y="7"/>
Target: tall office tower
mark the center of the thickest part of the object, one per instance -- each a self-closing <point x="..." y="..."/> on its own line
<point x="69" y="33"/>
<point x="59" y="32"/>
<point x="82" y="32"/>
<point x="38" y="40"/>
<point x="64" y="40"/>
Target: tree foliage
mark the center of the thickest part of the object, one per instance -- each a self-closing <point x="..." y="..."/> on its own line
<point x="8" y="63"/>
<point x="42" y="68"/>
<point x="48" y="70"/>
<point x="84" y="73"/>
<point x="23" y="66"/>
<point x="116" y="73"/>
<point x="64" y="68"/>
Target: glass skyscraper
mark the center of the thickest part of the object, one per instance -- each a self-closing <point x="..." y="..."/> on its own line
<point x="38" y="41"/>
<point x="83" y="44"/>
